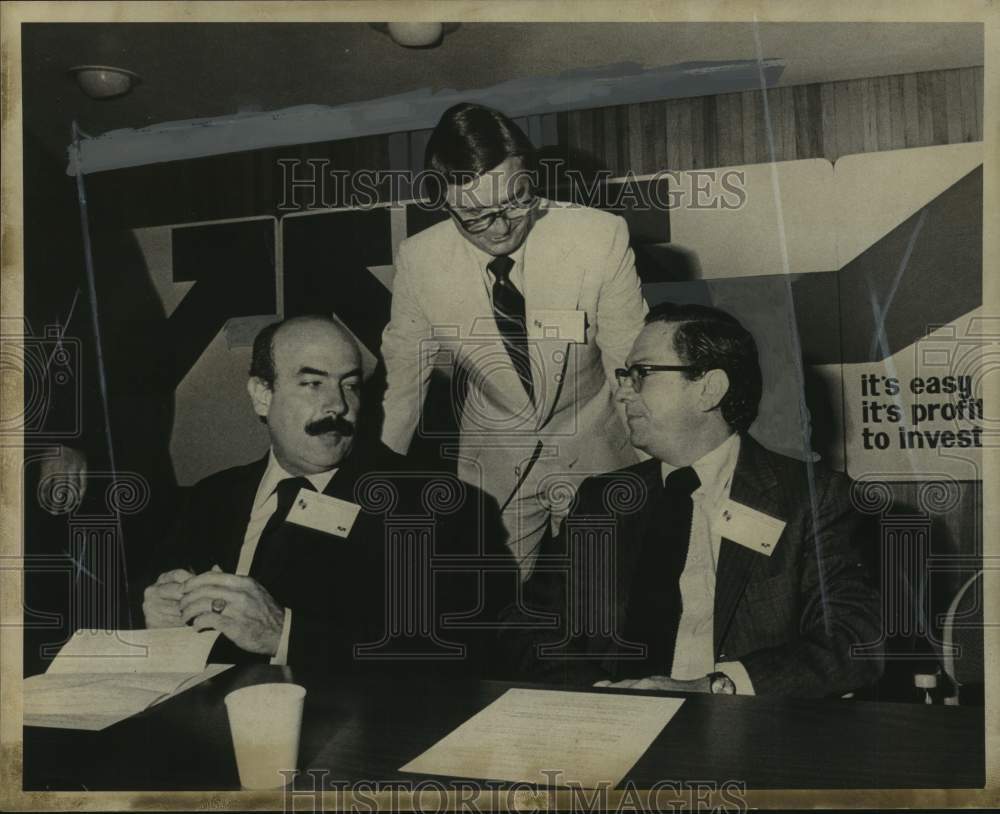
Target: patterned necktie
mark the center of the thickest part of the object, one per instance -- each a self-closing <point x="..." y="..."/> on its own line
<point x="268" y="547"/>
<point x="654" y="606"/>
<point x="509" y="312"/>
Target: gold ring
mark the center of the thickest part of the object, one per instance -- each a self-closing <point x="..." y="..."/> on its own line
<point x="218" y="605"/>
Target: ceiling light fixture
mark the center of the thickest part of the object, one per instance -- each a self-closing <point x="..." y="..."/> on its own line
<point x="416" y="35"/>
<point x="104" y="81"/>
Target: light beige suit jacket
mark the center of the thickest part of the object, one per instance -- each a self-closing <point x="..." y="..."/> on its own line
<point x="575" y="259"/>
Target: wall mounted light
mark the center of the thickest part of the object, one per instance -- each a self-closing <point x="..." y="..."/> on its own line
<point x="104" y="81"/>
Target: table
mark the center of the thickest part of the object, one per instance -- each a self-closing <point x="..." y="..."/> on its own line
<point x="364" y="728"/>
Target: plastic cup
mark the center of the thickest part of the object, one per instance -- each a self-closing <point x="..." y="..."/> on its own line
<point x="265" y="721"/>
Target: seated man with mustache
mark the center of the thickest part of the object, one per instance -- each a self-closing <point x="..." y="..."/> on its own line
<point x="292" y="557"/>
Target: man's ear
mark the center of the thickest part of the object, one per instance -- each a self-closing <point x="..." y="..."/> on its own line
<point x="714" y="386"/>
<point x="260" y="395"/>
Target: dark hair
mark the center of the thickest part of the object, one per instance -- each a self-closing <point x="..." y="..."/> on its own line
<point x="708" y="338"/>
<point x="471" y="139"/>
<point x="262" y="361"/>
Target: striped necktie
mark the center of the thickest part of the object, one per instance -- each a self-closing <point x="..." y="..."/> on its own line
<point x="509" y="312"/>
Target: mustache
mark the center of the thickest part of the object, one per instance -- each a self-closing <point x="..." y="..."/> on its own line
<point x="330" y="423"/>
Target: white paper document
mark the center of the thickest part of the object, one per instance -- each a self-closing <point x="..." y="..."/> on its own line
<point x="588" y="738"/>
<point x="101" y="677"/>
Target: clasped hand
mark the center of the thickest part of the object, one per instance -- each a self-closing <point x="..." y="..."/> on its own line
<point x="250" y="617"/>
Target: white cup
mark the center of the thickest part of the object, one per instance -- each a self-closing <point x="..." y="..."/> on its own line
<point x="265" y="721"/>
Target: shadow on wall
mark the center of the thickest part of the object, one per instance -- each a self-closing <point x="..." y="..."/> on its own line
<point x="136" y="365"/>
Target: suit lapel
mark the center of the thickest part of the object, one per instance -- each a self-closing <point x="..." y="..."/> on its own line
<point x="235" y="519"/>
<point x="551" y="282"/>
<point x="754" y="485"/>
<point x="632" y="530"/>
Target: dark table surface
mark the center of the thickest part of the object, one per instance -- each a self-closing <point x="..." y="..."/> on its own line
<point x="365" y="729"/>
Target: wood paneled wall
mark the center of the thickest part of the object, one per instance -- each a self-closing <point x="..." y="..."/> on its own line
<point x="822" y="120"/>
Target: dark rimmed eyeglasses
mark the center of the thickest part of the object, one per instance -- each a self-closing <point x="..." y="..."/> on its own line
<point x="636" y="373"/>
<point x="511" y="212"/>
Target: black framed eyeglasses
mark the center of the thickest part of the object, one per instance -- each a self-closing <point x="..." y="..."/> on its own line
<point x="636" y="373"/>
<point x="511" y="212"/>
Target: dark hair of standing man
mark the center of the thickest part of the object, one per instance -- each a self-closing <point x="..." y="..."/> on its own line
<point x="471" y="139"/>
<point x="707" y="338"/>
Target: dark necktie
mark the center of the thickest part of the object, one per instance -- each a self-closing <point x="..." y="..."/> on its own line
<point x="268" y="547"/>
<point x="654" y="605"/>
<point x="509" y="311"/>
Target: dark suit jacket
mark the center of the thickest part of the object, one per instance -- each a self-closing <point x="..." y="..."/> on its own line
<point x="341" y="591"/>
<point x="790" y="618"/>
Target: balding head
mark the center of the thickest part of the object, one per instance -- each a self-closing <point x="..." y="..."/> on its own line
<point x="262" y="364"/>
<point x="305" y="383"/>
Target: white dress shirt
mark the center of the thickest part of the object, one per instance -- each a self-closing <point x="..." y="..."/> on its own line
<point x="694" y="649"/>
<point x="264" y="505"/>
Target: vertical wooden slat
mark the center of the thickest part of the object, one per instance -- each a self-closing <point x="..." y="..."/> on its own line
<point x="748" y="110"/>
<point x="768" y="127"/>
<point x="562" y="131"/>
<point x="584" y="126"/>
<point x="883" y="112"/>
<point x="828" y="120"/>
<point x="954" y="107"/>
<point x="661" y="145"/>
<point x="710" y="130"/>
<point x="580" y="131"/>
<point x="788" y="139"/>
<point x="967" y="92"/>
<point x="678" y="134"/>
<point x="622" y="129"/>
<point x="925" y="109"/>
<point x="597" y="137"/>
<point x="636" y="156"/>
<point x="842" y="118"/>
<point x="897" y="120"/>
<point x="609" y="118"/>
<point x="939" y="107"/>
<point x="977" y="84"/>
<point x="869" y="115"/>
<point x="808" y="103"/>
<point x="911" y="111"/>
<point x="760" y="130"/>
<point x="650" y="137"/>
<point x="852" y="126"/>
<point x="550" y="129"/>
<point x="729" y="121"/>
<point x="696" y="137"/>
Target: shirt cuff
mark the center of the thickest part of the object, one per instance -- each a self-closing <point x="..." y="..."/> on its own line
<point x="281" y="654"/>
<point x="738" y="673"/>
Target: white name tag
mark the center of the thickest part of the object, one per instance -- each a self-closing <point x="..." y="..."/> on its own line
<point x="323" y="513"/>
<point x="757" y="531"/>
<point x="566" y="326"/>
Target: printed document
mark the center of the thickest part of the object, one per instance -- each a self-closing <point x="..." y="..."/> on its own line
<point x="587" y="738"/>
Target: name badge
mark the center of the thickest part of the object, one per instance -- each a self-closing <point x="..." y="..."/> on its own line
<point x="566" y="326"/>
<point x="757" y="531"/>
<point x="323" y="513"/>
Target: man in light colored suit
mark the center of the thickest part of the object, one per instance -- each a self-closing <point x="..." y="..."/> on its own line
<point x="536" y="303"/>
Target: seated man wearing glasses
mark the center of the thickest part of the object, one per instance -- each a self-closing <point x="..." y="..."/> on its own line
<point x="532" y="305"/>
<point x="717" y="565"/>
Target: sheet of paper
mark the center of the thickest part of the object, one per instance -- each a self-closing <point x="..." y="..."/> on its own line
<point x="589" y="738"/>
<point x="94" y="701"/>
<point x="164" y="650"/>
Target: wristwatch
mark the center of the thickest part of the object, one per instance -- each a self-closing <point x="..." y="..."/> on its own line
<point x="721" y="684"/>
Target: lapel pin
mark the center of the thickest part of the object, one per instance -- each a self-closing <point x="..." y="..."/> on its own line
<point x="302" y="503"/>
<point x="727" y="516"/>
